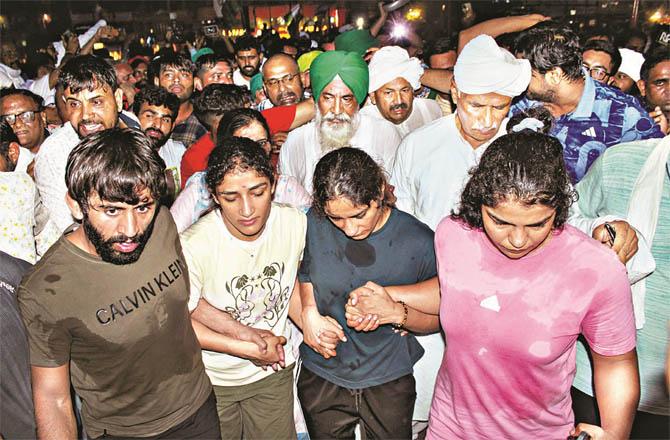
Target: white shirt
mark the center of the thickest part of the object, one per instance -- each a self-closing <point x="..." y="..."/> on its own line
<point x="431" y="169"/>
<point x="50" y="163"/>
<point x="302" y="149"/>
<point x="424" y="111"/>
<point x="239" y="80"/>
<point x="25" y="229"/>
<point x="25" y="157"/>
<point x="10" y="77"/>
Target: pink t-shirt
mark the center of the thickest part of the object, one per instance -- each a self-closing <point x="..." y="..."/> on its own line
<point x="511" y="328"/>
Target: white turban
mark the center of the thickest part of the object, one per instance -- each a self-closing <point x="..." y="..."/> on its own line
<point x="631" y="63"/>
<point x="391" y="62"/>
<point x="484" y="67"/>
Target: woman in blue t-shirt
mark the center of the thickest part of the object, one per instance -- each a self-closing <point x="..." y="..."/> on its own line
<point x="363" y="373"/>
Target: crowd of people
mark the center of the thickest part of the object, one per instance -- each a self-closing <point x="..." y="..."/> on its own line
<point x="351" y="237"/>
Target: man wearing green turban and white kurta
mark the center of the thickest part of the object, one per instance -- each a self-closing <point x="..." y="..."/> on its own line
<point x="339" y="84"/>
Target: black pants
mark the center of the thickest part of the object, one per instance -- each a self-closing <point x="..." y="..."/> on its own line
<point x="332" y="412"/>
<point x="202" y="425"/>
<point x="645" y="426"/>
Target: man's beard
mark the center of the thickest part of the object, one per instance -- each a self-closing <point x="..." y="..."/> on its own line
<point x="156" y="143"/>
<point x="107" y="252"/>
<point x="89" y="121"/>
<point x="249" y="70"/>
<point x="548" y="95"/>
<point x="334" y="136"/>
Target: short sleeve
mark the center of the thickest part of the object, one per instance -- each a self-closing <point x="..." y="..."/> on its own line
<point x="609" y="324"/>
<point x="427" y="265"/>
<point x="304" y="270"/>
<point x="49" y="339"/>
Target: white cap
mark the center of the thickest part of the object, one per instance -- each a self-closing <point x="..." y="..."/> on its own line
<point x="391" y="62"/>
<point x="484" y="67"/>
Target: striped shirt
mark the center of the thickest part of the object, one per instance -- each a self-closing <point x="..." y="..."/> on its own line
<point x="606" y="189"/>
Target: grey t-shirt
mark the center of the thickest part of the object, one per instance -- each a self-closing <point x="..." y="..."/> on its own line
<point x="401" y="252"/>
<point x="17" y="415"/>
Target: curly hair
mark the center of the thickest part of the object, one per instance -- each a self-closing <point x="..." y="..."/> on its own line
<point x="548" y="45"/>
<point x="159" y="97"/>
<point x="525" y="166"/>
<point x="351" y="173"/>
<point x="236" y="154"/>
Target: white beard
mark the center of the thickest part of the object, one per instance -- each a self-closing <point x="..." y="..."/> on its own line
<point x="334" y="136"/>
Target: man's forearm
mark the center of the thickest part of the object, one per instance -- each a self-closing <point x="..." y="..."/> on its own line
<point x="55" y="419"/>
<point x="211" y="340"/>
<point x="617" y="389"/>
<point x="438" y="79"/>
<point x="215" y="319"/>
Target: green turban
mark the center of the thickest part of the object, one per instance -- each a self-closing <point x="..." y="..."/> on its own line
<point x="348" y="65"/>
<point x="358" y="40"/>
<point x="255" y="84"/>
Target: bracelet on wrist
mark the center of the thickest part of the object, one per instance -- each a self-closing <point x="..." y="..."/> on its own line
<point x="402" y="323"/>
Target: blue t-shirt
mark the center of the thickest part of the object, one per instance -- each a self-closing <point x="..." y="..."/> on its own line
<point x="605" y="116"/>
<point x="401" y="252"/>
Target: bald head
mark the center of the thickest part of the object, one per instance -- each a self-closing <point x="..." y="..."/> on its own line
<point x="282" y="80"/>
<point x="124" y="73"/>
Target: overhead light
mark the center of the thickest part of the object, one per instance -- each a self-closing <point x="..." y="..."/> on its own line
<point x="573" y="12"/>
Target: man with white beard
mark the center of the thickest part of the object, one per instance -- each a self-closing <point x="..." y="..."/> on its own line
<point x="339" y="84"/>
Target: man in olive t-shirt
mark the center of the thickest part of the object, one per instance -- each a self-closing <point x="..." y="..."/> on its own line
<point x="106" y="307"/>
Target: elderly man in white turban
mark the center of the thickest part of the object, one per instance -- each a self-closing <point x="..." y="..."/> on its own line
<point x="394" y="77"/>
<point x="432" y="163"/>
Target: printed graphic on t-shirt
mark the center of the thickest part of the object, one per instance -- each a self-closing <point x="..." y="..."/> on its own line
<point x="259" y="297"/>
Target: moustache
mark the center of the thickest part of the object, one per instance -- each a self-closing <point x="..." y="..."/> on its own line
<point x="284" y="95"/>
<point x="154" y="130"/>
<point x="400" y="106"/>
<point x="342" y="117"/>
<point x="123" y="239"/>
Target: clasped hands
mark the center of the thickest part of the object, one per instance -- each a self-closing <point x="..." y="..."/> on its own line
<point x="367" y="308"/>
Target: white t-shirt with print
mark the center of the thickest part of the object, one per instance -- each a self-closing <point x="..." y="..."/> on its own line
<point x="251" y="280"/>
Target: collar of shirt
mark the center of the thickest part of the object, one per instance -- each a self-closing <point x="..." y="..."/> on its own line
<point x="587" y="101"/>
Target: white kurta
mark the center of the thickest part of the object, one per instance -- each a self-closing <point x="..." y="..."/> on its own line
<point x="431" y="169"/>
<point x="302" y="149"/>
<point x="424" y="111"/>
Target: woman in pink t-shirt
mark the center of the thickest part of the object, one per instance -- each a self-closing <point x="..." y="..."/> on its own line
<point x="518" y="286"/>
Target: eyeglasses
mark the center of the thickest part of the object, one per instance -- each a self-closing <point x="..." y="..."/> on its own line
<point x="597" y="73"/>
<point x="285" y="80"/>
<point x="26" y="117"/>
